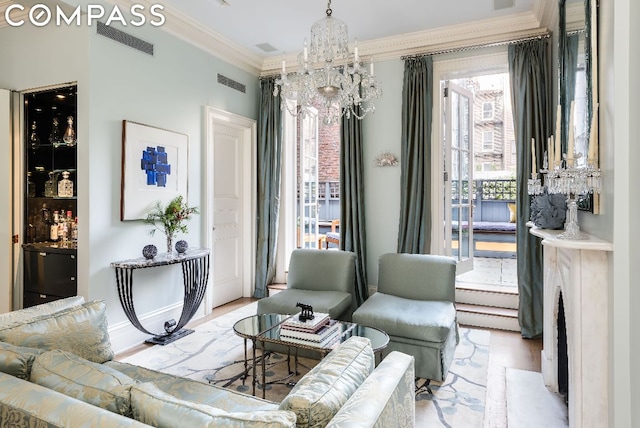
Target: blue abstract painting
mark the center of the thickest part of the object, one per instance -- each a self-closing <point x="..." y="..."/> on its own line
<point x="155" y="164"/>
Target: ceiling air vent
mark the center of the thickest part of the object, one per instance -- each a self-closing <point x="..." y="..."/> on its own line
<point x="223" y="80"/>
<point x="124" y="38"/>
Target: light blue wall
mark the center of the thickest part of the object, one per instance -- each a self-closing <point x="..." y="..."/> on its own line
<point x="381" y="133"/>
<point x="169" y="91"/>
<point x="115" y="82"/>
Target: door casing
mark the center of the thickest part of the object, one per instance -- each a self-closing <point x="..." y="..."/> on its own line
<point x="216" y="118"/>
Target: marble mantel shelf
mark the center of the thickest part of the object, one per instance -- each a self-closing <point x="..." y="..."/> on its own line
<point x="550" y="237"/>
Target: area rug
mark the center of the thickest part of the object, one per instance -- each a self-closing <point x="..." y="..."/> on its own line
<point x="215" y="354"/>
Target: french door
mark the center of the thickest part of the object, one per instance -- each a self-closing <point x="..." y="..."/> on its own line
<point x="308" y="208"/>
<point x="458" y="180"/>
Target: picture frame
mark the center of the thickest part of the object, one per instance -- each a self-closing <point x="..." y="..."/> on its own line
<point x="155" y="165"/>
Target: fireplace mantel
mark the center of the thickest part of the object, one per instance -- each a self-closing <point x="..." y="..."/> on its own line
<point x="580" y="270"/>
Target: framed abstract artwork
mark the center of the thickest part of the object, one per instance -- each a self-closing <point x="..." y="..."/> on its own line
<point x="155" y="166"/>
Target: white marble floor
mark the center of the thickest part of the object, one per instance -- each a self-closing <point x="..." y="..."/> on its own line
<point x="530" y="404"/>
<point x="491" y="271"/>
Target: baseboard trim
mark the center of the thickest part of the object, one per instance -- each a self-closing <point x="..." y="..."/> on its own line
<point x="124" y="335"/>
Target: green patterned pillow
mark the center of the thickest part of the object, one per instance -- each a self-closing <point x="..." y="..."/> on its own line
<point x="320" y="394"/>
<point x="81" y="330"/>
<point x="27" y="314"/>
<point x="17" y="360"/>
<point x="152" y="406"/>
<point x="76" y="377"/>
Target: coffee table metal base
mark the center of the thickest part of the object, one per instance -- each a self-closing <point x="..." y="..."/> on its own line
<point x="265" y="328"/>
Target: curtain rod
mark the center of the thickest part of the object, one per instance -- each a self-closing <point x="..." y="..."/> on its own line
<point x="480" y="46"/>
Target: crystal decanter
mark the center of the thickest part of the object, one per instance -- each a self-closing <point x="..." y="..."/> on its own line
<point x="65" y="186"/>
<point x="50" y="189"/>
<point x="69" y="136"/>
<point x="54" y="138"/>
<point x="34" y="140"/>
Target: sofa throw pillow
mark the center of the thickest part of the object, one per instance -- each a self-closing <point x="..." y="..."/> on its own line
<point x="17" y="360"/>
<point x="152" y="406"/>
<point x="22" y="315"/>
<point x="320" y="394"/>
<point x="81" y="330"/>
<point x="76" y="377"/>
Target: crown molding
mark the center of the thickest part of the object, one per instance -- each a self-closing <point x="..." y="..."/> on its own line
<point x="546" y="12"/>
<point x="196" y="34"/>
<point x="494" y="30"/>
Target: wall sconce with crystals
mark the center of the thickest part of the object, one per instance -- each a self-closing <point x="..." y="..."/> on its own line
<point x="342" y="85"/>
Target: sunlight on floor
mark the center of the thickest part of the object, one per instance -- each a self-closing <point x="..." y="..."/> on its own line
<point x="491" y="271"/>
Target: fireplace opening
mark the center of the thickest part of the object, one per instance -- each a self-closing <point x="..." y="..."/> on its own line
<point x="563" y="357"/>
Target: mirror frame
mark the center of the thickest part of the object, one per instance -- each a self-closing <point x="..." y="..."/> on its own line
<point x="588" y="202"/>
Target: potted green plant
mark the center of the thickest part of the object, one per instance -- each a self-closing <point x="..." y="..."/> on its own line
<point x="170" y="219"/>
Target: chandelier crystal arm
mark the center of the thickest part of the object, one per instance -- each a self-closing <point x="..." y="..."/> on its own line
<point x="340" y="86"/>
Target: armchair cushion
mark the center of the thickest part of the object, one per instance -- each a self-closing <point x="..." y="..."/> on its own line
<point x="401" y="317"/>
<point x="322" y="270"/>
<point x="323" y="279"/>
<point x="334" y="303"/>
<point x="418" y="276"/>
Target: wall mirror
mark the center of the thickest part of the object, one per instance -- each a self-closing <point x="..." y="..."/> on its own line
<point x="578" y="80"/>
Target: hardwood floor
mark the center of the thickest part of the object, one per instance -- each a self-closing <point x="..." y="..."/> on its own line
<point x="507" y="350"/>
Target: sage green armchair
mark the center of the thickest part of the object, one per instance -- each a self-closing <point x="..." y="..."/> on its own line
<point x="320" y="278"/>
<point x="415" y="306"/>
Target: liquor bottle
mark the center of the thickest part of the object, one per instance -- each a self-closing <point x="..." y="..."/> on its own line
<point x="54" y="138"/>
<point x="44" y="226"/>
<point x="62" y="231"/>
<point x="53" y="227"/>
<point x="34" y="140"/>
<point x="65" y="186"/>
<point x="74" y="230"/>
<point x="46" y="214"/>
<point x="69" y="136"/>
<point x="31" y="186"/>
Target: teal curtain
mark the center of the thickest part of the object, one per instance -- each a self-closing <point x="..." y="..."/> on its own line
<point x="530" y="89"/>
<point x="269" y="171"/>
<point x="352" y="221"/>
<point x="414" y="233"/>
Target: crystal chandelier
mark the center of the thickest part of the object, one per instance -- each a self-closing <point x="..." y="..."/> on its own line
<point x="341" y="85"/>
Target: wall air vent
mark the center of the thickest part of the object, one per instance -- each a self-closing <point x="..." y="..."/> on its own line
<point x="124" y="38"/>
<point x="223" y="80"/>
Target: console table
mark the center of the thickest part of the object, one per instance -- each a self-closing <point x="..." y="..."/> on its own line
<point x="195" y="273"/>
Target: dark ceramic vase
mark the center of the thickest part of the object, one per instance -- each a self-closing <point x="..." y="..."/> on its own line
<point x="149" y="251"/>
<point x="181" y="246"/>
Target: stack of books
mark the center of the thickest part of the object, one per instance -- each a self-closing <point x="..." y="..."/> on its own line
<point x="321" y="331"/>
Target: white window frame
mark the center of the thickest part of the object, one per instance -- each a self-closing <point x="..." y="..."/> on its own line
<point x="491" y="110"/>
<point x="485" y="147"/>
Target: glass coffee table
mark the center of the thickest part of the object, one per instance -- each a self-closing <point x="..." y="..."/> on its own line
<point x="265" y="328"/>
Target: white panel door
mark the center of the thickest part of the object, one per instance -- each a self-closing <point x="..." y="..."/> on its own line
<point x="228" y="188"/>
<point x="6" y="247"/>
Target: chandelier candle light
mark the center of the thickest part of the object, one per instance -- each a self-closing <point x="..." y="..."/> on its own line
<point x="341" y="85"/>
<point x="565" y="176"/>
